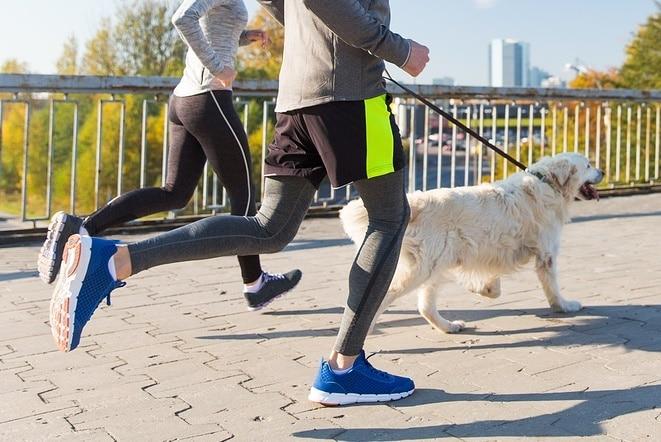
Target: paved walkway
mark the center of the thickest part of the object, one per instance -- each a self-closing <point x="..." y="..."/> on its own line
<point x="177" y="356"/>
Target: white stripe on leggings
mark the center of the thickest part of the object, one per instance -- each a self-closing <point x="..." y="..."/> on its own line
<point x="245" y="160"/>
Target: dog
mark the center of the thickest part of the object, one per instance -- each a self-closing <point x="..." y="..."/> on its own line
<point x="474" y="235"/>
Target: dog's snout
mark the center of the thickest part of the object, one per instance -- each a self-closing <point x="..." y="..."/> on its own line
<point x="598" y="176"/>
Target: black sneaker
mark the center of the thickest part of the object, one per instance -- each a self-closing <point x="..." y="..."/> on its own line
<point x="273" y="287"/>
<point x="61" y="227"/>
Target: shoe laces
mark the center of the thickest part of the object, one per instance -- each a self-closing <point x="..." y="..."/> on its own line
<point x="380" y="373"/>
<point x="268" y="277"/>
<point x="118" y="284"/>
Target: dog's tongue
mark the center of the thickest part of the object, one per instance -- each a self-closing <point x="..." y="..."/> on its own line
<point x="589" y="192"/>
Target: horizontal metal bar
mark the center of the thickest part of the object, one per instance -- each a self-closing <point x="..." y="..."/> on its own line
<point x="528" y="93"/>
<point x="100" y="84"/>
<point x="16" y="83"/>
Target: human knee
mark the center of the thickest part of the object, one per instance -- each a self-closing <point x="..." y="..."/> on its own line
<point x="276" y="234"/>
<point x="176" y="198"/>
<point x="394" y="217"/>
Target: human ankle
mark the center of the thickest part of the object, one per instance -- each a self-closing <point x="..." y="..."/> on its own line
<point x="254" y="286"/>
<point x="339" y="361"/>
<point x="122" y="260"/>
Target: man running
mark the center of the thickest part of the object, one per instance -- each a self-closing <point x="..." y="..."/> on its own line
<point x="333" y="118"/>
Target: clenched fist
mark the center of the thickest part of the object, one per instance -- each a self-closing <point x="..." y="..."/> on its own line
<point x="418" y="59"/>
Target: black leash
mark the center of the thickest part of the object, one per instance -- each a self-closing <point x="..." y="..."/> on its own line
<point x="453" y="120"/>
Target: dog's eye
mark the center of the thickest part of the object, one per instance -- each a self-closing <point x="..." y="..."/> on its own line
<point x="588" y="166"/>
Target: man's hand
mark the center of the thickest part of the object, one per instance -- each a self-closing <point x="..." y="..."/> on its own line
<point x="225" y="77"/>
<point x="257" y="35"/>
<point x="417" y="60"/>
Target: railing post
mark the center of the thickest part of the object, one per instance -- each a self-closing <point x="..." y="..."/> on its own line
<point x="26" y="147"/>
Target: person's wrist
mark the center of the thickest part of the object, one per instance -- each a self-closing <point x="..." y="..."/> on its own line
<point x="408" y="55"/>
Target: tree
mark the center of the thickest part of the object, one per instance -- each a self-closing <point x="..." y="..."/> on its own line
<point x="14" y="66"/>
<point x="100" y="57"/>
<point x="592" y="79"/>
<point x="256" y="63"/>
<point x="642" y="67"/>
<point x="67" y="64"/>
<point x="146" y="40"/>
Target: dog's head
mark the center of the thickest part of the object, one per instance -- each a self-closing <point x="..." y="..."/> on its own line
<point x="570" y="174"/>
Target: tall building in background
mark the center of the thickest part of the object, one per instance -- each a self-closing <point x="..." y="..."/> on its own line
<point x="538" y="76"/>
<point x="509" y="63"/>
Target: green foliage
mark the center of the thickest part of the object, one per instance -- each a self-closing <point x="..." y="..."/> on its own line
<point x="100" y="56"/>
<point x="67" y="64"/>
<point x="146" y="42"/>
<point x="642" y="67"/>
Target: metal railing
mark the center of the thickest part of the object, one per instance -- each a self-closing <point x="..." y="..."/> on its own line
<point x="618" y="130"/>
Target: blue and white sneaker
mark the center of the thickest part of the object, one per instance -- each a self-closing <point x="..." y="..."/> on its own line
<point x="84" y="281"/>
<point x="362" y="383"/>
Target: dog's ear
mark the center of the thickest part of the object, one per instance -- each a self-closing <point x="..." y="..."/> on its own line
<point x="563" y="176"/>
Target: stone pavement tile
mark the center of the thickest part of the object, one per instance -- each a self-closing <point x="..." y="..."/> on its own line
<point x="35" y="344"/>
<point x="16" y="323"/>
<point x="26" y="402"/>
<point x="137" y="358"/>
<point x="360" y="416"/>
<point x="587" y="417"/>
<point x="111" y="344"/>
<point x="172" y="378"/>
<point x="380" y="431"/>
<point x="138" y="420"/>
<point x="643" y="425"/>
<point x="227" y="403"/>
<point x="597" y="377"/>
<point x="49" y="425"/>
<point x="636" y="363"/>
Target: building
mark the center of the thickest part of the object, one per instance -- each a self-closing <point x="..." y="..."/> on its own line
<point x="538" y="76"/>
<point x="444" y="81"/>
<point x="509" y="63"/>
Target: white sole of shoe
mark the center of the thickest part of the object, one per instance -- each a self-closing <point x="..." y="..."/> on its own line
<point x="75" y="261"/>
<point x="267" y="303"/>
<point x="334" y="399"/>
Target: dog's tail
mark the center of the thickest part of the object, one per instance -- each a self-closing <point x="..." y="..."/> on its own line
<point x="354" y="220"/>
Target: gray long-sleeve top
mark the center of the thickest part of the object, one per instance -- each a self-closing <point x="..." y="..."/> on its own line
<point x="334" y="50"/>
<point x="212" y="30"/>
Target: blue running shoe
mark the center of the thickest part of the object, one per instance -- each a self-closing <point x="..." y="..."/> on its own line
<point x="362" y="383"/>
<point x="84" y="282"/>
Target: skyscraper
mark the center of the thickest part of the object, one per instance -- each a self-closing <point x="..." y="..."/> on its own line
<point x="538" y="76"/>
<point x="509" y="63"/>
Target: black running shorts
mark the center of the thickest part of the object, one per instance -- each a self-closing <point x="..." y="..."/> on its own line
<point x="346" y="140"/>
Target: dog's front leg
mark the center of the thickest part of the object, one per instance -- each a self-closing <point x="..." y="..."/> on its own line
<point x="548" y="275"/>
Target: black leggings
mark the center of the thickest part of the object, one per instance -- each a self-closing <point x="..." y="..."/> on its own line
<point x="202" y="127"/>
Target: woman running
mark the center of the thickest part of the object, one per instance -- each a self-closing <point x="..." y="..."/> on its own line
<point x="203" y="125"/>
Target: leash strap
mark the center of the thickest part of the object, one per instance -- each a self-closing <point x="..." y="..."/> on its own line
<point x="458" y="123"/>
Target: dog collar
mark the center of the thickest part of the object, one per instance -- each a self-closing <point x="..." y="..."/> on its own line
<point x="540" y="176"/>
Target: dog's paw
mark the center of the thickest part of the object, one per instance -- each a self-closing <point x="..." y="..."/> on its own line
<point x="572" y="306"/>
<point x="455" y="327"/>
<point x="567" y="307"/>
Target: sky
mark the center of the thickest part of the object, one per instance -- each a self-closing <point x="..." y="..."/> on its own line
<point x="457" y="32"/>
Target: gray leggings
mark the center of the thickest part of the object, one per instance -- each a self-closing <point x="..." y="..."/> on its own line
<point x="285" y="203"/>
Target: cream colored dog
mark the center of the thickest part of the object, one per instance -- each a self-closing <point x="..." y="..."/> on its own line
<point x="474" y="235"/>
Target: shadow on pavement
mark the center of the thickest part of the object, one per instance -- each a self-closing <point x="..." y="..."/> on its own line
<point x="595" y="325"/>
<point x="18" y="275"/>
<point x="582" y="419"/>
